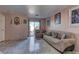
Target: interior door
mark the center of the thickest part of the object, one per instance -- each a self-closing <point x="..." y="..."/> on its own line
<point x="2" y="27"/>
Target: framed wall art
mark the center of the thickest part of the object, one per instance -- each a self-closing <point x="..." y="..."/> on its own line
<point x="58" y="18"/>
<point x="16" y="20"/>
<point x="48" y="21"/>
<point x="24" y="21"/>
<point x="74" y="16"/>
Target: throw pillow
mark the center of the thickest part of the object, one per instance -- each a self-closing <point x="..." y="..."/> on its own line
<point x="63" y="36"/>
<point x="59" y="36"/>
<point x="50" y="33"/>
<point x="55" y="34"/>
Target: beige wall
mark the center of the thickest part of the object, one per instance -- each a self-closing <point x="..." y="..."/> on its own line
<point x="64" y="21"/>
<point x="65" y="25"/>
<point x="12" y="31"/>
<point x="15" y="32"/>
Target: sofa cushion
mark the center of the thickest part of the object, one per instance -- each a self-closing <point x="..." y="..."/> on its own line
<point x="59" y="35"/>
<point x="63" y="36"/>
<point x="54" y="34"/>
<point x="48" y="33"/>
<point x="66" y="35"/>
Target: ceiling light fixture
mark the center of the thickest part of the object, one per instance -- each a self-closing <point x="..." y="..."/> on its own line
<point x="36" y="15"/>
<point x="31" y="11"/>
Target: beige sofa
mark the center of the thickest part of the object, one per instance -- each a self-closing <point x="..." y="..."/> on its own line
<point x="61" y="42"/>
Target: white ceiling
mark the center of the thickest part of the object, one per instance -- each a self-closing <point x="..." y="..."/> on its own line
<point x="31" y="10"/>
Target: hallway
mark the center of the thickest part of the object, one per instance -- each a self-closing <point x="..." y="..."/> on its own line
<point x="45" y="21"/>
<point x="27" y="46"/>
<point x="39" y="29"/>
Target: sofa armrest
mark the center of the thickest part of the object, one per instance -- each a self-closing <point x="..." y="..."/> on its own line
<point x="64" y="43"/>
<point x="70" y="40"/>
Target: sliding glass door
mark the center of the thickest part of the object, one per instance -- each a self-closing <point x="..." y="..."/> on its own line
<point x="33" y="25"/>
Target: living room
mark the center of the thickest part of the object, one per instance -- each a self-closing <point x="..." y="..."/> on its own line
<point x="54" y="30"/>
<point x="66" y="24"/>
<point x="62" y="21"/>
<point x="39" y="29"/>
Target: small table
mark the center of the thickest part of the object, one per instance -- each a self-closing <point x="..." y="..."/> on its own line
<point x="39" y="35"/>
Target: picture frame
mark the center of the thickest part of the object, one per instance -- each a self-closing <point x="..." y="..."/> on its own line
<point x="73" y="20"/>
<point x="24" y="21"/>
<point x="75" y="16"/>
<point x="16" y="20"/>
<point x="48" y="21"/>
<point x="58" y="18"/>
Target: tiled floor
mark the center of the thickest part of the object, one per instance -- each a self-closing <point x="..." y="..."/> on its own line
<point x="27" y="46"/>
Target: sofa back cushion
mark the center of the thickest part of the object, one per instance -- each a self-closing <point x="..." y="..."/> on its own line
<point x="54" y="34"/>
<point x="60" y="35"/>
<point x="63" y="36"/>
<point x="67" y="35"/>
<point x="48" y="33"/>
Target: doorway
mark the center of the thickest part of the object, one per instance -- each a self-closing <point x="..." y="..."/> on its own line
<point x="2" y="27"/>
<point x="33" y="25"/>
